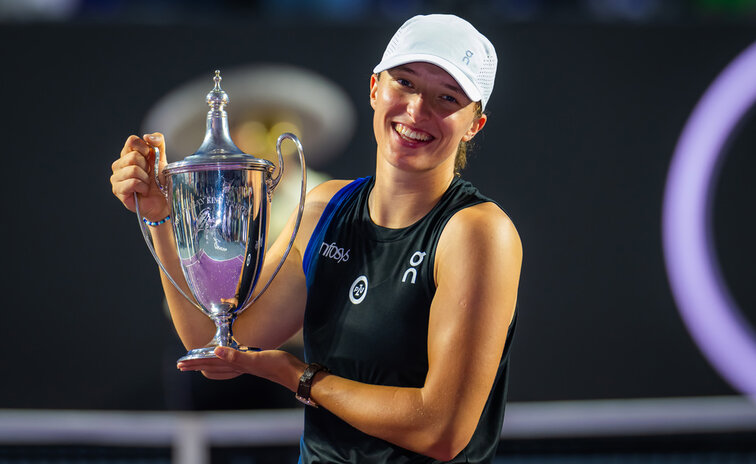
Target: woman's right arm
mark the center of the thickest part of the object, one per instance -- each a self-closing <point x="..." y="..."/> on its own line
<point x="133" y="173"/>
<point x="278" y="314"/>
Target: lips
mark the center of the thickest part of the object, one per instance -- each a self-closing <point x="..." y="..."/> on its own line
<point x="412" y="135"/>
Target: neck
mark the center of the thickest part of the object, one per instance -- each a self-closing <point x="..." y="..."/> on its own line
<point x="399" y="199"/>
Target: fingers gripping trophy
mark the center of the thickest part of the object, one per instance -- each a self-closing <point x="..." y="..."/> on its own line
<point x="220" y="199"/>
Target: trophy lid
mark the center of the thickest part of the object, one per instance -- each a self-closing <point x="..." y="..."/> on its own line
<point x="218" y="150"/>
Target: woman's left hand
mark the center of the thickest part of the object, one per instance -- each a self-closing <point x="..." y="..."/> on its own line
<point x="275" y="365"/>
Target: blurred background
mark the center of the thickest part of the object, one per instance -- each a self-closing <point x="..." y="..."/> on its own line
<point x="590" y="100"/>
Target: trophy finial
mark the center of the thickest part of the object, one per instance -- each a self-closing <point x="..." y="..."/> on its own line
<point x="217" y="140"/>
<point x="217" y="98"/>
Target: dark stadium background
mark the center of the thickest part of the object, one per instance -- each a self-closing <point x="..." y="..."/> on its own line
<point x="583" y="123"/>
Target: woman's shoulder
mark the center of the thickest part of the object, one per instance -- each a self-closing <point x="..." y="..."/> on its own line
<point x="483" y="238"/>
<point x="315" y="203"/>
<point x="483" y="223"/>
<point x="319" y="196"/>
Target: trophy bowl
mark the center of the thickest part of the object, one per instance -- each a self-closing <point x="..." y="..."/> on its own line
<point x="220" y="206"/>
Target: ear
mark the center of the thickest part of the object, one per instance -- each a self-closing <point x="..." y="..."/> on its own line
<point x="373" y="89"/>
<point x="475" y="127"/>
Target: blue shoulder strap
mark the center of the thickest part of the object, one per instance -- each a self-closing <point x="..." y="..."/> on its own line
<point x="313" y="246"/>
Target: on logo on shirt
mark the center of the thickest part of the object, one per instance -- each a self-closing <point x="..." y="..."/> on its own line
<point x="411" y="272"/>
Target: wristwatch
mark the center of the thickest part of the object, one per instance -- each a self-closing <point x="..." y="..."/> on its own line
<point x="305" y="383"/>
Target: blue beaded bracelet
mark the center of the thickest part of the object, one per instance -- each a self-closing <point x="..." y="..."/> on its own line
<point x="162" y="221"/>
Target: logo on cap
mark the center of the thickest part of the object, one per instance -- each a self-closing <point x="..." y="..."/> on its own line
<point x="468" y="55"/>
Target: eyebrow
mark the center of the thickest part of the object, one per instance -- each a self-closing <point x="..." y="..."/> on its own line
<point x="454" y="88"/>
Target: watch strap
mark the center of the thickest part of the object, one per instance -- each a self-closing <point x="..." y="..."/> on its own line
<point x="305" y="383"/>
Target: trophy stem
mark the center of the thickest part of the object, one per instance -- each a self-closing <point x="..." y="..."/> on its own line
<point x="223" y="333"/>
<point x="223" y="337"/>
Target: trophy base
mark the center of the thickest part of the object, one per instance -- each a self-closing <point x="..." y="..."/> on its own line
<point x="209" y="352"/>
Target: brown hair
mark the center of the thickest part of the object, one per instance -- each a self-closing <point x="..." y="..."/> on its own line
<point x="460" y="160"/>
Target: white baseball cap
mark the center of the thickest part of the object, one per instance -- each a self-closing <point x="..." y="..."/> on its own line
<point x="450" y="43"/>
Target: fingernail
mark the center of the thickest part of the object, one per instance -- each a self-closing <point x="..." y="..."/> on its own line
<point x="154" y="138"/>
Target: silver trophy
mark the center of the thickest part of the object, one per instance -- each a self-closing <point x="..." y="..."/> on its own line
<point x="220" y="200"/>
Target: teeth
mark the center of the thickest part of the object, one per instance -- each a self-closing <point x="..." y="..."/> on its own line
<point x="408" y="133"/>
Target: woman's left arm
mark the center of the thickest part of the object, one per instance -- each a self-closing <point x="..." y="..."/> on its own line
<point x="478" y="260"/>
<point x="477" y="270"/>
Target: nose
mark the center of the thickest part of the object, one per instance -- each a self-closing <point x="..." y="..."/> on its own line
<point x="418" y="107"/>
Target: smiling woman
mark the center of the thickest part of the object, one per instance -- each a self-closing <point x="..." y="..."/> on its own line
<point x="404" y="283"/>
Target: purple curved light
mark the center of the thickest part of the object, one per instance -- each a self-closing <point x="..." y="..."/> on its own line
<point x="703" y="299"/>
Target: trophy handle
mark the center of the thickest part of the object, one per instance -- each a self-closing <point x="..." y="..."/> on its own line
<point x="146" y="233"/>
<point x="275" y="180"/>
<point x="302" y="194"/>
<point x="156" y="173"/>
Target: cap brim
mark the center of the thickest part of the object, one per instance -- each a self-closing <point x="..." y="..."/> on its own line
<point x="467" y="85"/>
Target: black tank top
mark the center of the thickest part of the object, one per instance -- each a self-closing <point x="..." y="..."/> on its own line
<point x="369" y="291"/>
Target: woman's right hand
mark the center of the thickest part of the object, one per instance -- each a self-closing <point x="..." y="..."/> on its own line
<point x="133" y="173"/>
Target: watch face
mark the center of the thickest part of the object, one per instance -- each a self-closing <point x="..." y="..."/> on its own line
<point x="311" y="370"/>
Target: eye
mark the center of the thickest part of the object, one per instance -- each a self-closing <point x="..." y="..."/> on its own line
<point x="403" y="82"/>
<point x="449" y="99"/>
